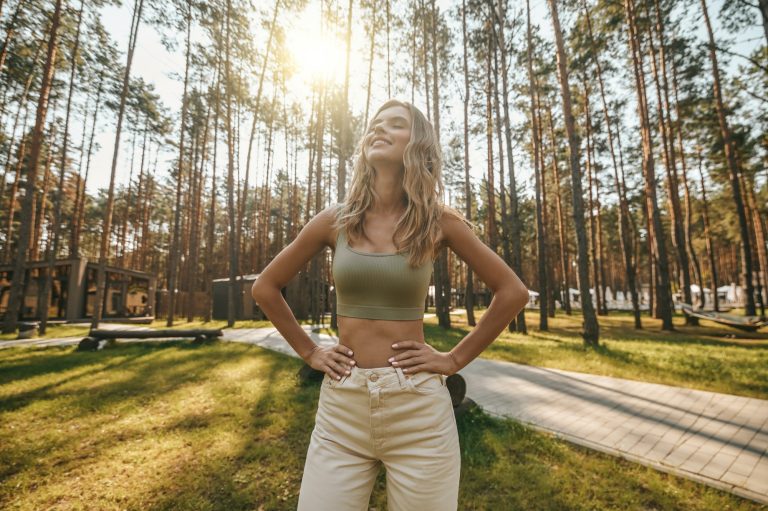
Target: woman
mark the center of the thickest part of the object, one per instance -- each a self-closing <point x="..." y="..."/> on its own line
<point x="383" y="398"/>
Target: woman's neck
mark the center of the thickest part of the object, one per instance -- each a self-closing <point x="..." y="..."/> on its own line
<point x="391" y="195"/>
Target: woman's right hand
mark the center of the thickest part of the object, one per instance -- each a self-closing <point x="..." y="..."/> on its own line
<point x="334" y="360"/>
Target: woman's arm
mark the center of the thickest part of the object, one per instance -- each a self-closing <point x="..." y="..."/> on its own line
<point x="509" y="297"/>
<point x="509" y="293"/>
<point x="266" y="292"/>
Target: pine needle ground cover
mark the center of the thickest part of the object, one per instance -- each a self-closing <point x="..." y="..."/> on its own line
<point x="156" y="426"/>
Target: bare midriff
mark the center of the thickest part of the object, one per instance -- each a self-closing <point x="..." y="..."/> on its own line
<point x="371" y="340"/>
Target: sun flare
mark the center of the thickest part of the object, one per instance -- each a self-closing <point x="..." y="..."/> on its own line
<point x="316" y="55"/>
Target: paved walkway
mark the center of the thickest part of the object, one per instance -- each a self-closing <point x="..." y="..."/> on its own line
<point x="718" y="439"/>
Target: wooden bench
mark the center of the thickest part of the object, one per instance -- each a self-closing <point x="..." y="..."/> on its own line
<point x="97" y="339"/>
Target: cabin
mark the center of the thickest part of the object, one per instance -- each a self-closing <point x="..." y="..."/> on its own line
<point x="129" y="294"/>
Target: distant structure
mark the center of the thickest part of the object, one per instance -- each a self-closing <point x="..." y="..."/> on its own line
<point x="297" y="294"/>
<point x="129" y="294"/>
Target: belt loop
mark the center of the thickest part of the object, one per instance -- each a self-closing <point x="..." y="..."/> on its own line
<point x="345" y="376"/>
<point x="401" y="379"/>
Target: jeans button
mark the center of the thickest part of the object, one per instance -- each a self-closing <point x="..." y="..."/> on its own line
<point x="373" y="377"/>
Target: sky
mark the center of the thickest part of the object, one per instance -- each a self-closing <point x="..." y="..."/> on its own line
<point x="162" y="68"/>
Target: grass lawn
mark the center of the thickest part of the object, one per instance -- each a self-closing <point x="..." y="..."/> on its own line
<point x="707" y="357"/>
<point x="54" y="331"/>
<point x="226" y="426"/>
<point x="80" y="330"/>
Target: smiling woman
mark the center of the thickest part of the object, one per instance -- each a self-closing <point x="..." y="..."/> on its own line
<point x="316" y="54"/>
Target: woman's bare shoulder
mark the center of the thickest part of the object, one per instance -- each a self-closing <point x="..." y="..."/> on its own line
<point x="330" y="215"/>
<point x="450" y="219"/>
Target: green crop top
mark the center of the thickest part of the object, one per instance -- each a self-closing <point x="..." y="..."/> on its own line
<point x="378" y="286"/>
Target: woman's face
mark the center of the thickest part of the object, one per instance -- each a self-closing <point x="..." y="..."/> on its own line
<point x="390" y="132"/>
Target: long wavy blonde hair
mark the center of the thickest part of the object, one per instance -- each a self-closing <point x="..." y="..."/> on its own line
<point x="417" y="230"/>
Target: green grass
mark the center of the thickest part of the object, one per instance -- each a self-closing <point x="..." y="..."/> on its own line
<point x="707" y="357"/>
<point x="181" y="323"/>
<point x="78" y="330"/>
<point x="226" y="426"/>
<point x="54" y="331"/>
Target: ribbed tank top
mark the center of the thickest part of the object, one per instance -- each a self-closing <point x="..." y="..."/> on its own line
<point x="378" y="286"/>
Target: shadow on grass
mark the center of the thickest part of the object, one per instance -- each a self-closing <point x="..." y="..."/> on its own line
<point x="243" y="446"/>
<point x="164" y="375"/>
<point x="267" y="467"/>
<point x="101" y="402"/>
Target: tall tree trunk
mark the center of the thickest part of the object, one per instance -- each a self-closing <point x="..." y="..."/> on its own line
<point x="469" y="300"/>
<point x="211" y="227"/>
<point x="256" y="115"/>
<point x="12" y="199"/>
<point x="591" y="332"/>
<point x="500" y="145"/>
<point x="60" y="191"/>
<point x="686" y="189"/>
<point x="232" y="300"/>
<point x="656" y="233"/>
<point x="19" y="267"/>
<point x="624" y="214"/>
<point x="708" y="238"/>
<point x="490" y="191"/>
<point x="80" y="209"/>
<point x="107" y="225"/>
<point x="370" y="64"/>
<point x="173" y="256"/>
<point x="564" y="263"/>
<point x="760" y="243"/>
<point x="733" y="172"/>
<point x="538" y="180"/>
<point x="666" y="130"/>
<point x="341" y="181"/>
<point x="518" y="324"/>
<point x="597" y="281"/>
<point x="442" y="276"/>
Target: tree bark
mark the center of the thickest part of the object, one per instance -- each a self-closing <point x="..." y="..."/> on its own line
<point x="541" y="239"/>
<point x="469" y="294"/>
<point x="656" y="234"/>
<point x="519" y="323"/>
<point x="19" y="268"/>
<point x="107" y="225"/>
<point x="591" y="332"/>
<point x="733" y="172"/>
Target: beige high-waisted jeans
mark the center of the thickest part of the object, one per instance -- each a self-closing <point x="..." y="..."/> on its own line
<point x="377" y="416"/>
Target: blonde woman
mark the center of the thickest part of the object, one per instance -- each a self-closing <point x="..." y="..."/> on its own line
<point x="383" y="399"/>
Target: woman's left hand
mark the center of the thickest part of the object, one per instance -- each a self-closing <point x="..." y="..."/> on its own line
<point x="419" y="356"/>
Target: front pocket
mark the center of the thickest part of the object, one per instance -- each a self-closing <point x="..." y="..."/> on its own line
<point x="427" y="383"/>
<point x="331" y="382"/>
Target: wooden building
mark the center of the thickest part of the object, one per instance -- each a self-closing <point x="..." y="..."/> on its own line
<point x="129" y="294"/>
